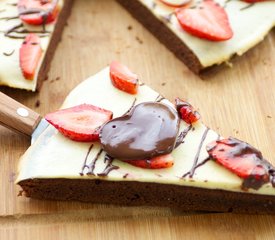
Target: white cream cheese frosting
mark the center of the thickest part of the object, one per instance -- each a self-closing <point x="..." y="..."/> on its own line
<point x="10" y="71"/>
<point x="55" y="156"/>
<point x="250" y="24"/>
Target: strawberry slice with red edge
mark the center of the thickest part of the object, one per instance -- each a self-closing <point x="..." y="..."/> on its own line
<point x="162" y="161"/>
<point x="186" y="111"/>
<point x="123" y="78"/>
<point x="37" y="12"/>
<point x="208" y="21"/>
<point x="175" y="3"/>
<point x="29" y="55"/>
<point x="242" y="159"/>
<point x="80" y="123"/>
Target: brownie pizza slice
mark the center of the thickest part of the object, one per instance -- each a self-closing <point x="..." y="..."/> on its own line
<point x="117" y="141"/>
<point x="205" y="33"/>
<point x="29" y="33"/>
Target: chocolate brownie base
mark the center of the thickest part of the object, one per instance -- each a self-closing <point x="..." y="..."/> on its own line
<point x="56" y="37"/>
<point x="132" y="193"/>
<point x="163" y="33"/>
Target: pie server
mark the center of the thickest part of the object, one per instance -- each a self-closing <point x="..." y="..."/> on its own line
<point x="20" y="118"/>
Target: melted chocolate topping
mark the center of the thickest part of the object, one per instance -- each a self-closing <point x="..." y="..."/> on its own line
<point x="149" y="129"/>
<point x="242" y="151"/>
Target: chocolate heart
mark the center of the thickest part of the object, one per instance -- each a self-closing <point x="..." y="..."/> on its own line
<point x="149" y="129"/>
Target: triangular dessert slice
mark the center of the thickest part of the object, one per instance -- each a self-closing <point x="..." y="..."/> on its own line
<point x="120" y="142"/>
<point x="29" y="33"/>
<point x="204" y="33"/>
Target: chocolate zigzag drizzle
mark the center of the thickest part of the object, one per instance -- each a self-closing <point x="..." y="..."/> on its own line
<point x="226" y="2"/>
<point x="167" y="18"/>
<point x="109" y="167"/>
<point x="159" y="98"/>
<point x="195" y="164"/>
<point x="9" y="54"/>
<point x="126" y="175"/>
<point x="12" y="4"/>
<point x="202" y="162"/>
<point x="92" y="165"/>
<point x="19" y="32"/>
<point x="85" y="160"/>
<point x="182" y="136"/>
<point x="247" y="6"/>
<point x="132" y="105"/>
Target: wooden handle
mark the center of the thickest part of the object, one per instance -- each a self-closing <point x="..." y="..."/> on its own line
<point x="16" y="116"/>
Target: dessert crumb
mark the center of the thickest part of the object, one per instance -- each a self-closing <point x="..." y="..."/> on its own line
<point x="139" y="40"/>
<point x="163" y="84"/>
<point x="268" y="116"/>
<point x="37" y="103"/>
<point x="54" y="80"/>
<point x="129" y="27"/>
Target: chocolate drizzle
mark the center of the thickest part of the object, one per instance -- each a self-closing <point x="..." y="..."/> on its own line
<point x="19" y="32"/>
<point x="85" y="160"/>
<point x="109" y="167"/>
<point x="92" y="165"/>
<point x="167" y="18"/>
<point x="9" y="54"/>
<point x="131" y="107"/>
<point x="247" y="6"/>
<point x="196" y="158"/>
<point x="182" y="136"/>
<point x="159" y="98"/>
<point x="226" y="2"/>
<point x="202" y="162"/>
<point x="126" y="175"/>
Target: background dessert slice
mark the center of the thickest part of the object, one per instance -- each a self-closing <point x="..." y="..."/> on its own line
<point x="14" y="29"/>
<point x="56" y="167"/>
<point x="250" y="24"/>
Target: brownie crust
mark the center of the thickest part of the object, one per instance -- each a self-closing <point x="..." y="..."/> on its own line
<point x="163" y="33"/>
<point x="56" y="37"/>
<point x="132" y="193"/>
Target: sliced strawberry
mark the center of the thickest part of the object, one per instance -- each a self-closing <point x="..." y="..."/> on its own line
<point x="242" y="159"/>
<point x="80" y="123"/>
<point x="186" y="111"/>
<point x="175" y="3"/>
<point x="123" y="79"/>
<point x="163" y="161"/>
<point x="37" y="12"/>
<point x="208" y="20"/>
<point x="29" y="55"/>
